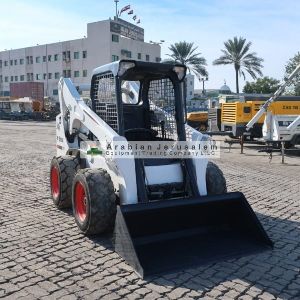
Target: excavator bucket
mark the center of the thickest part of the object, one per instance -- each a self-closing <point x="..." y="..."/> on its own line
<point x="166" y="235"/>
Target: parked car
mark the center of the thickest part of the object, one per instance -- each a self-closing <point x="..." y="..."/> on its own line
<point x="4" y="115"/>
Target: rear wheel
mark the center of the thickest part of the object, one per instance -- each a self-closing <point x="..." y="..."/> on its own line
<point x="215" y="180"/>
<point x="94" y="201"/>
<point x="62" y="172"/>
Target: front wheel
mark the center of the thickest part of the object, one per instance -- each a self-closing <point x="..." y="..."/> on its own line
<point x="215" y="180"/>
<point x="94" y="201"/>
<point x="62" y="172"/>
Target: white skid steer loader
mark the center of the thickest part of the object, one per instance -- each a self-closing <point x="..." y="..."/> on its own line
<point x="166" y="213"/>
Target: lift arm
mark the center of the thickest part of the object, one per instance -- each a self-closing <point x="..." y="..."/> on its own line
<point x="294" y="125"/>
<point x="265" y="106"/>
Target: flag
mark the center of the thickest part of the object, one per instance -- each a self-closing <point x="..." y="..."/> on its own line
<point x="138" y="21"/>
<point x="124" y="8"/>
<point x="134" y="17"/>
<point x="130" y="12"/>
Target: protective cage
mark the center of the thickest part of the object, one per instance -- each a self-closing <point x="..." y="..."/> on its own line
<point x="105" y="100"/>
<point x="169" y="235"/>
<point x="162" y="102"/>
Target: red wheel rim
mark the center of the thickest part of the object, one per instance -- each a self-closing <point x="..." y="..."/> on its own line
<point x="55" y="184"/>
<point x="80" y="201"/>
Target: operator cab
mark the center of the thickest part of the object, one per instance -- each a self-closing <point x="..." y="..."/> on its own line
<point x="140" y="100"/>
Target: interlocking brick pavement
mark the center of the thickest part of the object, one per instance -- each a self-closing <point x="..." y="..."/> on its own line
<point x="44" y="256"/>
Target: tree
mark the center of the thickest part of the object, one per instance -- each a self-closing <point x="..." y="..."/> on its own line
<point x="236" y="53"/>
<point x="265" y="85"/>
<point x="185" y="53"/>
<point x="289" y="68"/>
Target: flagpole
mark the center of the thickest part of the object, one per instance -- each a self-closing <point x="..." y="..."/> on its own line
<point x="116" y="1"/>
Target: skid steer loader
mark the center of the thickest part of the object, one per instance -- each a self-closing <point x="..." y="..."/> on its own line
<point x="166" y="213"/>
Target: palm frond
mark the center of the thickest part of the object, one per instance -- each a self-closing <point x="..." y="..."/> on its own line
<point x="187" y="54"/>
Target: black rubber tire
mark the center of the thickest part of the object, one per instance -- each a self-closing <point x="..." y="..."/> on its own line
<point x="215" y="180"/>
<point x="67" y="167"/>
<point x="100" y="201"/>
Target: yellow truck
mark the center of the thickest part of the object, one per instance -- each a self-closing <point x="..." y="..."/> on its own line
<point x="235" y="116"/>
<point x="198" y="120"/>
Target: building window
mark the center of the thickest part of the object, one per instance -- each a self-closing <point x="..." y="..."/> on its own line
<point x="22" y="77"/>
<point x="84" y="54"/>
<point x="115" y="38"/>
<point x="49" y="75"/>
<point x="191" y="82"/>
<point x="1" y="79"/>
<point x="29" y="60"/>
<point x="114" y="57"/>
<point x="0" y="63"/>
<point x="29" y="76"/>
<point x="56" y="57"/>
<point x="158" y="59"/>
<point x="84" y="73"/>
<point x="11" y="78"/>
<point x="44" y="76"/>
<point x="16" y="78"/>
<point x="76" y="73"/>
<point x="126" y="53"/>
<point x="139" y="55"/>
<point x="44" y="58"/>
<point x="147" y="57"/>
<point x="21" y="61"/>
<point x="66" y="73"/>
<point x="38" y="59"/>
<point x="55" y="92"/>
<point x="37" y="76"/>
<point x="49" y="57"/>
<point x="76" y="55"/>
<point x="11" y="62"/>
<point x="5" y="63"/>
<point x="6" y="78"/>
<point x="56" y="75"/>
<point x="16" y="62"/>
<point x="67" y="56"/>
<point x="191" y="93"/>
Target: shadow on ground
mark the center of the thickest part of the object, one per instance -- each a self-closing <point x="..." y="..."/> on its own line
<point x="273" y="271"/>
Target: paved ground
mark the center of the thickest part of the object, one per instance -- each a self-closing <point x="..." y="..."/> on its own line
<point x="43" y="256"/>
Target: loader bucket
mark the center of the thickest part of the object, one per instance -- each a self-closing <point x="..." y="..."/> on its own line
<point x="161" y="236"/>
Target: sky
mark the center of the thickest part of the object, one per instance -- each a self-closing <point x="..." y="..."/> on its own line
<point x="271" y="25"/>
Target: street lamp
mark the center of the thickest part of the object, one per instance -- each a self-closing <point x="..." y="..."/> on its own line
<point x="203" y="79"/>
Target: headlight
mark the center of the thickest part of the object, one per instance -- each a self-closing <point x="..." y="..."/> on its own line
<point x="124" y="66"/>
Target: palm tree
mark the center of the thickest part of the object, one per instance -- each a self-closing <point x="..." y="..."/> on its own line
<point x="184" y="53"/>
<point x="236" y="52"/>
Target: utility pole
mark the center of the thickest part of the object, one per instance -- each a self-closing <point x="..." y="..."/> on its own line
<point x="202" y="79"/>
<point x="116" y="1"/>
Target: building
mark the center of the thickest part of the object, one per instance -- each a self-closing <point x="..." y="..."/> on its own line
<point x="189" y="86"/>
<point x="106" y="41"/>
